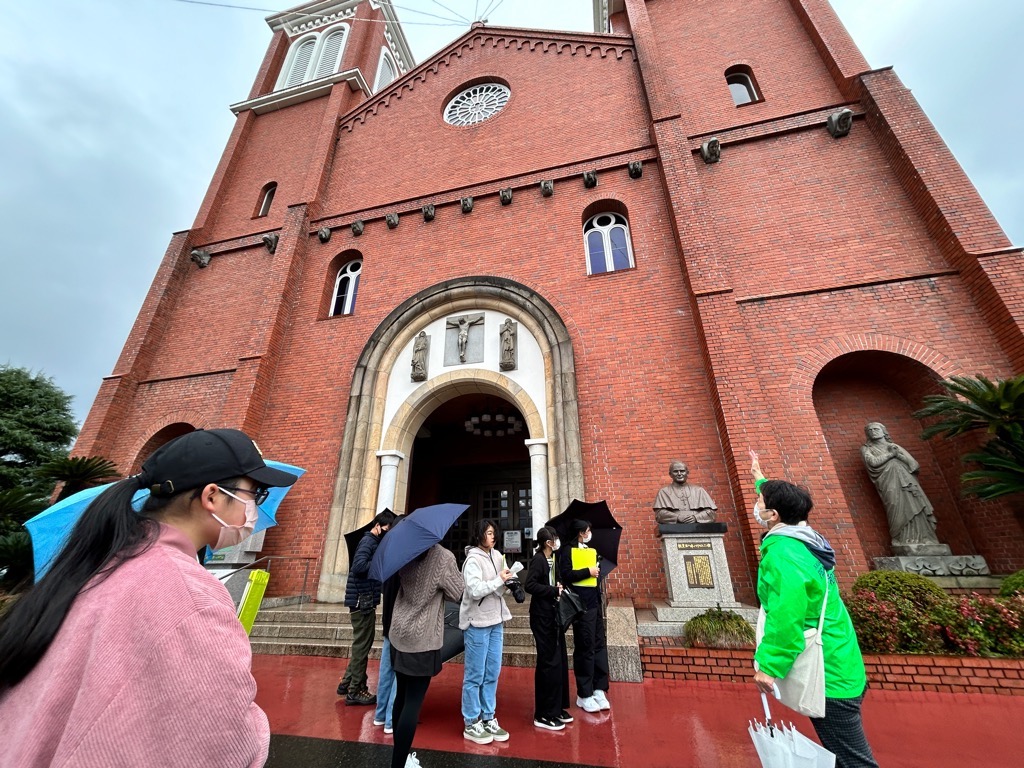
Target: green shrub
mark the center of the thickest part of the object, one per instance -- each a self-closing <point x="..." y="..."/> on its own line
<point x="977" y="625"/>
<point x="889" y="585"/>
<point x="716" y="628"/>
<point x="16" y="561"/>
<point x="876" y="622"/>
<point x="1012" y="584"/>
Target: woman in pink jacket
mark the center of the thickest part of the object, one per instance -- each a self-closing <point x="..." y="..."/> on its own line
<point x="128" y="652"/>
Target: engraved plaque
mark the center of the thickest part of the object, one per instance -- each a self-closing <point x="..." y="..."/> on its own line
<point x="693" y="544"/>
<point x="698" y="572"/>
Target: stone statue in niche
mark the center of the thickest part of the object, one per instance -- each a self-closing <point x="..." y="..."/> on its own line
<point x="507" y="360"/>
<point x="894" y="473"/>
<point x="682" y="502"/>
<point x="462" y="324"/>
<point x="419" y="357"/>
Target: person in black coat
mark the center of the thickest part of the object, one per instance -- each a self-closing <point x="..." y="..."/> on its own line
<point x="590" y="646"/>
<point x="362" y="595"/>
<point x="551" y="678"/>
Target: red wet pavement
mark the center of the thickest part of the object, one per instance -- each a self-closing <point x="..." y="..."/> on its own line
<point x="654" y="723"/>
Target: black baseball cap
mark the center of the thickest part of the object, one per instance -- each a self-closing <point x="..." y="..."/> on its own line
<point x="208" y="456"/>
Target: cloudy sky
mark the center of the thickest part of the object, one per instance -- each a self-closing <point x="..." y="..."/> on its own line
<point x="114" y="113"/>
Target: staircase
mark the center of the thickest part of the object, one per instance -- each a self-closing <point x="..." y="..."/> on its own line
<point x="324" y="629"/>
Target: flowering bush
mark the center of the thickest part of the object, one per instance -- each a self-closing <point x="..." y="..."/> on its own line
<point x="976" y="625"/>
<point x="1012" y="584"/>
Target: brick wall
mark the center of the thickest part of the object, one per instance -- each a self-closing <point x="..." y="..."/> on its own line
<point x="667" y="658"/>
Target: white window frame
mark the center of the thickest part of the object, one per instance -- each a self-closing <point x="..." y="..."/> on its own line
<point x="269" y="190"/>
<point x="618" y="220"/>
<point x="745" y="81"/>
<point x="352" y="272"/>
<point x="314" y="65"/>
<point x="385" y="55"/>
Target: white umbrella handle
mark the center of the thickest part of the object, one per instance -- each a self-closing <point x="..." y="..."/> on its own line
<point x="767" y="712"/>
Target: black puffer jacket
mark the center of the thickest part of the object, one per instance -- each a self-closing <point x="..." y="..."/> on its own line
<point x="359" y="582"/>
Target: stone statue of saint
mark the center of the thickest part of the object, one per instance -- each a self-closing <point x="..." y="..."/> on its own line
<point x="419" y="357"/>
<point x="682" y="502"/>
<point x="893" y="471"/>
<point x="463" y="323"/>
<point x="508" y="345"/>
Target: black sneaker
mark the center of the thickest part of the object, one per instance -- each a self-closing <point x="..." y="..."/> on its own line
<point x="361" y="698"/>
<point x="549" y="723"/>
<point x="343" y="688"/>
<point x="565" y="717"/>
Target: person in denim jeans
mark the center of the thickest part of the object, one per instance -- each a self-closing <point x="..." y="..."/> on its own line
<point x="386" y="687"/>
<point x="481" y="618"/>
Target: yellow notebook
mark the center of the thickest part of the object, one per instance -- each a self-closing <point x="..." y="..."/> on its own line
<point x="584" y="558"/>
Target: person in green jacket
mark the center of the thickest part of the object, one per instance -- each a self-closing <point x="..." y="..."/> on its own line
<point x="797" y="563"/>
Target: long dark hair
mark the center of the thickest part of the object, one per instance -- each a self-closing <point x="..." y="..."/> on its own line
<point x="108" y="533"/>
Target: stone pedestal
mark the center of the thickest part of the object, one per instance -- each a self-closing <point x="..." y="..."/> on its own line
<point x="935" y="565"/>
<point x="697" y="569"/>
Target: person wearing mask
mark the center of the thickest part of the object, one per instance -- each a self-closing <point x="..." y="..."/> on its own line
<point x="128" y="652"/>
<point x="416" y="632"/>
<point x="481" y="618"/>
<point x="362" y="596"/>
<point x="590" y="651"/>
<point x="797" y="568"/>
<point x="551" y="678"/>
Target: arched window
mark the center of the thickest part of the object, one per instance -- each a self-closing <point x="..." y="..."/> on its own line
<point x="314" y="56"/>
<point x="266" y="199"/>
<point x="331" y="49"/>
<point x="345" y="288"/>
<point x="606" y="237"/>
<point x="386" y="70"/>
<point x="742" y="85"/>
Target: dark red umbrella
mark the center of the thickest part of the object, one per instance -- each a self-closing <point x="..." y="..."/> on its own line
<point x="603" y="525"/>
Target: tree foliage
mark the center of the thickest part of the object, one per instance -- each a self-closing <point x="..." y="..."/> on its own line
<point x="36" y="426"/>
<point x="997" y="408"/>
<point x="78" y="473"/>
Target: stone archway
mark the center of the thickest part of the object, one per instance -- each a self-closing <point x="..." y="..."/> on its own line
<point x="371" y="469"/>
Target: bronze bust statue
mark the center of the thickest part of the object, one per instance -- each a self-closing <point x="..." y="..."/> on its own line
<point x="682" y="502"/>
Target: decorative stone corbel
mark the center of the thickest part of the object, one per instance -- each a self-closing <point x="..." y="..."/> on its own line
<point x="201" y="257"/>
<point x="324" y="233"/>
<point x="547" y="188"/>
<point x="636" y="169"/>
<point x="839" y="123"/>
<point x="271" y="241"/>
<point x="711" y="151"/>
<point x="357" y="227"/>
<point x="590" y="179"/>
<point x="428" y="212"/>
<point x="505" y="195"/>
<point x="391" y="219"/>
<point x="467" y="204"/>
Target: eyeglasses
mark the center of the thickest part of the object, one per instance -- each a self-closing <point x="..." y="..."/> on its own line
<point x="259" y="494"/>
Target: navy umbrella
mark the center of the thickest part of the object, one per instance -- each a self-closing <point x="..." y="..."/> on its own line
<point x="604" y="527"/>
<point x="352" y="539"/>
<point x="418" y="532"/>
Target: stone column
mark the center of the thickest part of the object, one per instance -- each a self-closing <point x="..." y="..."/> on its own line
<point x="389" y="463"/>
<point x="539" y="481"/>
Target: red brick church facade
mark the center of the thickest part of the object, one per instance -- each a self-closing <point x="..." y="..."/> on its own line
<point x="761" y="283"/>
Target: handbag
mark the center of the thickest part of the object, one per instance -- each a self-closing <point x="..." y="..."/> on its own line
<point x="803" y="688"/>
<point x="453" y="642"/>
<point x="570" y="608"/>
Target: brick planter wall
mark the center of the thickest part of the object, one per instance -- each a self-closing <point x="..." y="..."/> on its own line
<point x="666" y="657"/>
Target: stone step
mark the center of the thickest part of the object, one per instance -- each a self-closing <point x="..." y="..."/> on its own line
<point x="279" y="632"/>
<point x="513" y="656"/>
<point x="342" y="617"/>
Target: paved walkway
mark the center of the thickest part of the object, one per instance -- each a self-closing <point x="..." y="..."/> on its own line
<point x="651" y="724"/>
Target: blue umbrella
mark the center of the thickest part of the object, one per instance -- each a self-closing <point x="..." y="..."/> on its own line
<point x="51" y="527"/>
<point x="418" y="532"/>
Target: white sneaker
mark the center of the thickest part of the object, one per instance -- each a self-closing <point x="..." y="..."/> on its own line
<point x="476" y="732"/>
<point x="602" y="700"/>
<point x="378" y="722"/>
<point x="388" y="730"/>
<point x="411" y="761"/>
<point x="588" y="704"/>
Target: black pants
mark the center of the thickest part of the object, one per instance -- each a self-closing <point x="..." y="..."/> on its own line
<point x="405" y="715"/>
<point x="841" y="732"/>
<point x="363" y="630"/>
<point x="590" y="653"/>
<point x="551" y="677"/>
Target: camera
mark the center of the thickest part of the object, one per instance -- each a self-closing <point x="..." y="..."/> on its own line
<point x="516" y="588"/>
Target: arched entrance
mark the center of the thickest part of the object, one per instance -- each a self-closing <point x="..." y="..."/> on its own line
<point x="419" y="373"/>
<point x="471" y="450"/>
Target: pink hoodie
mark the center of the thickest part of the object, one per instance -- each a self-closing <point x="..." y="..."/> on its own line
<point x="150" y="668"/>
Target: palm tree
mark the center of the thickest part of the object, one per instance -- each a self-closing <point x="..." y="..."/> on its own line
<point x="975" y="404"/>
<point x="78" y="473"/>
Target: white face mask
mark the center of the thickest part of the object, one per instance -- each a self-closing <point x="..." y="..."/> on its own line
<point x="232" y="535"/>
<point x="758" y="511"/>
<point x="587" y="537"/>
<point x="555" y="545"/>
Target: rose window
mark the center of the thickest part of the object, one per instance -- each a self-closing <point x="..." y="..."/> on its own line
<point x="476" y="104"/>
